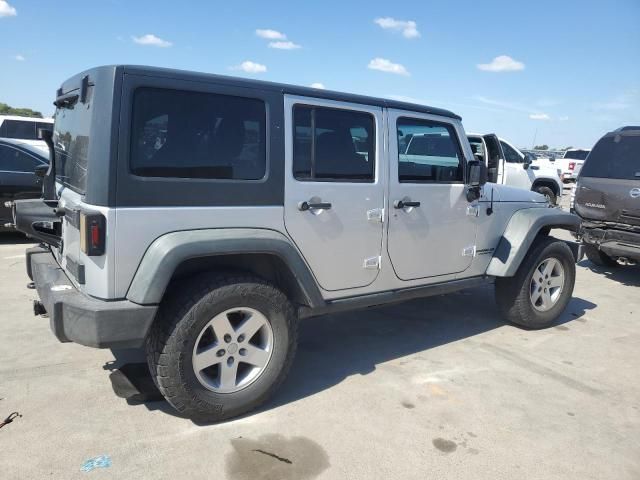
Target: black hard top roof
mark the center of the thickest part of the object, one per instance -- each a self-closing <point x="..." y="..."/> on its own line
<point x="284" y="88"/>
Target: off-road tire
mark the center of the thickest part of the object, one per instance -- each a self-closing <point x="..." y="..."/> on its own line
<point x="513" y="293"/>
<point x="547" y="192"/>
<point x="599" y="258"/>
<point x="185" y="311"/>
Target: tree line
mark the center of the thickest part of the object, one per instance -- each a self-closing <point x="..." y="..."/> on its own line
<point x="23" y="112"/>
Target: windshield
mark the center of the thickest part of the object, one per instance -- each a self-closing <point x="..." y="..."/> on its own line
<point x="577" y="154"/>
<point x="615" y="156"/>
<point x="71" y="142"/>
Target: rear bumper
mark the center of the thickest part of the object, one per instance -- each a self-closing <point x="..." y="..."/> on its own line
<point x="615" y="243"/>
<point x="76" y="317"/>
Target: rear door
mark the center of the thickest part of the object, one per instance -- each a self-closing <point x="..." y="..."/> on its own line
<point x="609" y="184"/>
<point x="334" y="188"/>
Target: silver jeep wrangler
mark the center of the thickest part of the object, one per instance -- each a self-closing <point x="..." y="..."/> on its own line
<point x="200" y="216"/>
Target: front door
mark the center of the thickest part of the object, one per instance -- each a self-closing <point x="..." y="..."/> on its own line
<point x="431" y="229"/>
<point x="516" y="174"/>
<point x="334" y="188"/>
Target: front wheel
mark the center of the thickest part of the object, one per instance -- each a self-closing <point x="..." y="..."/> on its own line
<point x="541" y="288"/>
<point x="221" y="345"/>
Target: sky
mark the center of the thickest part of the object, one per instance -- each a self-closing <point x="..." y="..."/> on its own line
<point x="555" y="72"/>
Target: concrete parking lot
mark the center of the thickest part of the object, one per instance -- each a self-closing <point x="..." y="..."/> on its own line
<point x="433" y="388"/>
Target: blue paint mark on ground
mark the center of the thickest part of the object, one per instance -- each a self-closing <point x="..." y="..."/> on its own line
<point x="101" y="461"/>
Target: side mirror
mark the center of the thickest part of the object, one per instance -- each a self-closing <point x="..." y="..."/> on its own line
<point x="477" y="173"/>
<point x="41" y="170"/>
<point x="477" y="176"/>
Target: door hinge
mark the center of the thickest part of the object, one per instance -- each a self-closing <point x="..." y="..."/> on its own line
<point x="469" y="251"/>
<point x="372" y="263"/>
<point x="375" y="215"/>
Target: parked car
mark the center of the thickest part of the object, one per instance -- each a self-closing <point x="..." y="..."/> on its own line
<point x="201" y="216"/>
<point x="24" y="129"/>
<point x="607" y="198"/>
<point x="571" y="163"/>
<point x="18" y="161"/>
<point x="509" y="166"/>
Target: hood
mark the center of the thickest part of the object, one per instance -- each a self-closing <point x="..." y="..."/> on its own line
<point x="514" y="194"/>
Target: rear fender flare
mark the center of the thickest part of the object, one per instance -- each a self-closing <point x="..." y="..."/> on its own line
<point x="169" y="251"/>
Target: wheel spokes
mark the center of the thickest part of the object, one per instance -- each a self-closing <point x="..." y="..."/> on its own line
<point x="251" y="325"/>
<point x="221" y="326"/>
<point x="255" y="356"/>
<point x="206" y="358"/>
<point x="557" y="281"/>
<point x="228" y="374"/>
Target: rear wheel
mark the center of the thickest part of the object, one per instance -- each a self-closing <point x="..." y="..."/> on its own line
<point x="598" y="257"/>
<point x="222" y="345"/>
<point x="548" y="193"/>
<point x="541" y="288"/>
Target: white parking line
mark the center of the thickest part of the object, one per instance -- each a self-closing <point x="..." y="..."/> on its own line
<point x="14" y="256"/>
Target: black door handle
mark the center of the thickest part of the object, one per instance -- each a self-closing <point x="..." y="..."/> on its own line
<point x="304" y="206"/>
<point x="405" y="204"/>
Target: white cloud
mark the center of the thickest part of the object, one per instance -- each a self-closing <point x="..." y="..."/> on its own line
<point x="152" y="40"/>
<point x="250" y="67"/>
<point x="409" y="28"/>
<point x="270" y="34"/>
<point x="19" y="58"/>
<point x="7" y="10"/>
<point x="388" y="66"/>
<point x="318" y="85"/>
<point x="284" y="45"/>
<point x="502" y="63"/>
<point x="539" y="116"/>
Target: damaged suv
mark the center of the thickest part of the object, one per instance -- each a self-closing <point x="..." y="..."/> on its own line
<point x="201" y="216"/>
<point x="607" y="197"/>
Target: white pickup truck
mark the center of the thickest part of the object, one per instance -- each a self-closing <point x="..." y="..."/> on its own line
<point x="509" y="166"/>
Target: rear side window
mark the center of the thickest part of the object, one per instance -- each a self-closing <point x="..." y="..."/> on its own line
<point x="13" y="160"/>
<point x="333" y="144"/>
<point x="185" y="134"/>
<point x="431" y="152"/>
<point x="577" y="154"/>
<point x="21" y="129"/>
<point x="615" y="156"/>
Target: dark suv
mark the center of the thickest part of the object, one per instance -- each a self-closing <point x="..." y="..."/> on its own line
<point x="608" y="199"/>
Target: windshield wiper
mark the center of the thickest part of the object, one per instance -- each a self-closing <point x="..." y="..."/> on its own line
<point x="68" y="100"/>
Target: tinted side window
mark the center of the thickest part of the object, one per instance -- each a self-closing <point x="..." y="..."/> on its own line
<point x="615" y="156"/>
<point x="333" y="144"/>
<point x="184" y="134"/>
<point x="510" y="154"/>
<point x="23" y="130"/>
<point x="13" y="160"/>
<point x="431" y="152"/>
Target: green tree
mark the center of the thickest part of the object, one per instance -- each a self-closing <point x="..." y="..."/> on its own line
<point x="541" y="147"/>
<point x="22" y="112"/>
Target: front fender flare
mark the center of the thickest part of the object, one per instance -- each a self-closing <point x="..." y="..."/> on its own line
<point x="521" y="231"/>
<point x="167" y="252"/>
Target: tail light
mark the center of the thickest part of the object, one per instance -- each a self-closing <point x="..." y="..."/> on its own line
<point x="572" y="165"/>
<point x="92" y="233"/>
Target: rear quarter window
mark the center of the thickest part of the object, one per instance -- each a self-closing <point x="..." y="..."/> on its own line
<point x="185" y="134"/>
<point x="614" y="156"/>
